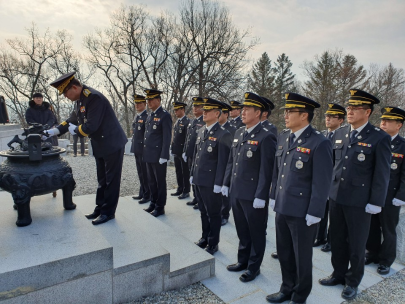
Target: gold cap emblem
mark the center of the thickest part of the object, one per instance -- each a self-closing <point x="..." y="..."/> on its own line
<point x="205" y="99"/>
<point x="246" y="95"/>
<point x="286" y="95"/>
<point x="388" y="109"/>
<point x="352" y="92"/>
<point x="330" y="106"/>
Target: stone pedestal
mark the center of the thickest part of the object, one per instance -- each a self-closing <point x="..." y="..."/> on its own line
<point x="401" y="237"/>
<point x="7" y="132"/>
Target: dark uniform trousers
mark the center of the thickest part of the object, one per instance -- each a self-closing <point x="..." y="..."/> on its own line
<point x="322" y="233"/>
<point x="226" y="204"/>
<point x="182" y="174"/>
<point x="143" y="177"/>
<point x="360" y="176"/>
<point x="157" y="184"/>
<point x="349" y="226"/>
<point x="294" y="240"/>
<point x="299" y="187"/>
<point x="209" y="204"/>
<point x="96" y="119"/>
<point x="108" y="190"/>
<point x="251" y="233"/>
<point x="386" y="223"/>
<point x="248" y="174"/>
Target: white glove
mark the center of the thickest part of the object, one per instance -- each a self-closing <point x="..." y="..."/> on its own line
<point x="312" y="219"/>
<point x="43" y="137"/>
<point x="52" y="132"/>
<point x="397" y="202"/>
<point x="72" y="128"/>
<point x="217" y="189"/>
<point x="259" y="203"/>
<point x="373" y="209"/>
<point x="191" y="180"/>
<point x="272" y="203"/>
<point x="225" y="191"/>
<point x="184" y="157"/>
<point x="162" y="160"/>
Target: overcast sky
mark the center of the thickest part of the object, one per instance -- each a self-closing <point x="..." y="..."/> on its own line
<point x="371" y="30"/>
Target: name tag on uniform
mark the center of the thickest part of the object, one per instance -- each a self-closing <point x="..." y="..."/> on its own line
<point x="235" y="140"/>
<point x="338" y="141"/>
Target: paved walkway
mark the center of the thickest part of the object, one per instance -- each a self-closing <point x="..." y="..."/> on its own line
<point x="226" y="285"/>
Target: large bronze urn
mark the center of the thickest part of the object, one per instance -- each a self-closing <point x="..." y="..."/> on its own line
<point x="32" y="168"/>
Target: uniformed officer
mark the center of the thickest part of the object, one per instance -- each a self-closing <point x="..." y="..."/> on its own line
<point x="299" y="192"/>
<point x="248" y="178"/>
<point x="138" y="130"/>
<point x="96" y="120"/>
<point x="179" y="138"/>
<point x="236" y="121"/>
<point x="265" y="117"/>
<point x="361" y="174"/>
<point x="156" y="152"/>
<point x="223" y="121"/>
<point x="385" y="223"/>
<point x="191" y="138"/>
<point x="334" y="117"/>
<point x="210" y="158"/>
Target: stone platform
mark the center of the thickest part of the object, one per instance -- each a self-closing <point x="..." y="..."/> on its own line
<point x="62" y="258"/>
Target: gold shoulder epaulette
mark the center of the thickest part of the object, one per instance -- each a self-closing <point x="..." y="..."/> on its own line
<point x="86" y="92"/>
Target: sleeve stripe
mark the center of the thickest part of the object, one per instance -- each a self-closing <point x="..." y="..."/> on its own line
<point x="81" y="131"/>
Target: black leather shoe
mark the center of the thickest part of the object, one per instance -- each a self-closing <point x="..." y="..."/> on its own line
<point x="319" y="243"/>
<point x="158" y="212"/>
<point x="292" y="302"/>
<point x="184" y="195"/>
<point x="326" y="247"/>
<point x="144" y="201"/>
<point x="102" y="218"/>
<point x="248" y="276"/>
<point x="236" y="267"/>
<point x="349" y="292"/>
<point x="274" y="255"/>
<point x="382" y="269"/>
<point x="192" y="203"/>
<point x="368" y="260"/>
<point x="202" y="243"/>
<point x="224" y="221"/>
<point x="137" y="197"/>
<point x="211" y="249"/>
<point x="196" y="207"/>
<point x="150" y="208"/>
<point x="92" y="216"/>
<point x="177" y="193"/>
<point x="278" y="297"/>
<point x="331" y="281"/>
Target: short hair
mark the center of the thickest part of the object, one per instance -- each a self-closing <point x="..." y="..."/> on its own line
<point x="310" y="115"/>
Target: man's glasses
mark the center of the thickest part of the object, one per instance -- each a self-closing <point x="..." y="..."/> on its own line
<point x="288" y="112"/>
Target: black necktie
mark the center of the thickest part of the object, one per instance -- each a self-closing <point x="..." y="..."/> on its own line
<point x="245" y="135"/>
<point x="353" y="135"/>
<point x="291" y="140"/>
<point x="205" y="132"/>
<point x="330" y="136"/>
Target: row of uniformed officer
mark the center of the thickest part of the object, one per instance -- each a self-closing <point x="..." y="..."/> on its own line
<point x="247" y="181"/>
<point x="138" y="134"/>
<point x="179" y="139"/>
<point x="207" y="174"/>
<point x="97" y="121"/>
<point x="156" y="152"/>
<point x="191" y="138"/>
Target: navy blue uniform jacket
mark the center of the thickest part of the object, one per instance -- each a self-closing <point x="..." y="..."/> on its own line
<point x="269" y="126"/>
<point x="158" y="136"/>
<point x="250" y="164"/>
<point x="302" y="175"/>
<point x="96" y="119"/>
<point x="192" y="132"/>
<point x="231" y="129"/>
<point x="396" y="186"/>
<point x="237" y="122"/>
<point x="361" y="169"/>
<point x="138" y="130"/>
<point x="211" y="156"/>
<point x="179" y="136"/>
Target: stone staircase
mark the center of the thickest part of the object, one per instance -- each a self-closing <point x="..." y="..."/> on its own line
<point x="62" y="258"/>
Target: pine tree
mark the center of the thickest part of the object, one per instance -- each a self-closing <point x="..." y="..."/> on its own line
<point x="261" y="79"/>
